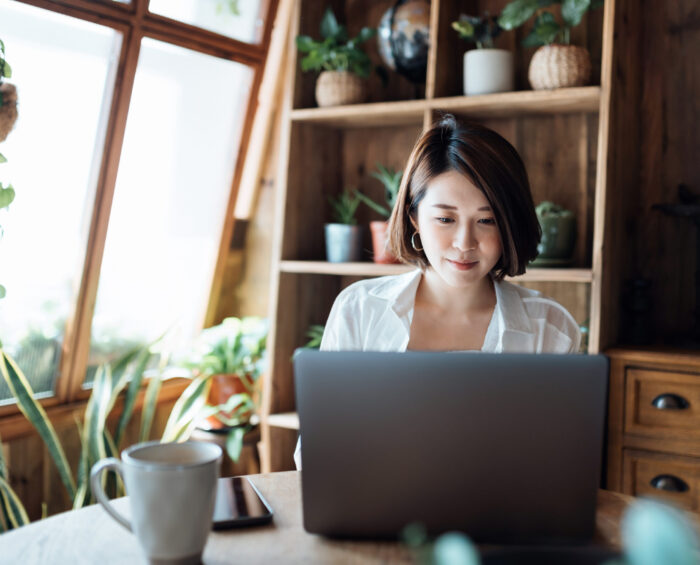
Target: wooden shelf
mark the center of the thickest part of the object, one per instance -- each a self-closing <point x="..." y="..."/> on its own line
<point x="367" y="269"/>
<point x="286" y="420"/>
<point x="508" y="104"/>
<point x="504" y="104"/>
<point x="378" y="114"/>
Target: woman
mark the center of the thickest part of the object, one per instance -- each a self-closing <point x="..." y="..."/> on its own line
<point x="464" y="215"/>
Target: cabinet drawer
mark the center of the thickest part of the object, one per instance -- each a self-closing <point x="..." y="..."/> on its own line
<point x="662" y="404"/>
<point x="672" y="478"/>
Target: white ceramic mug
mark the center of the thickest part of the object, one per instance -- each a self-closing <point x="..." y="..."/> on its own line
<point x="171" y="489"/>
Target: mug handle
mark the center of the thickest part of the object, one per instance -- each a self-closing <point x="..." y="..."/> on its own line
<point x="110" y="463"/>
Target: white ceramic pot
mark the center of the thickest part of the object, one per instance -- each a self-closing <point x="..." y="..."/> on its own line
<point x="487" y="71"/>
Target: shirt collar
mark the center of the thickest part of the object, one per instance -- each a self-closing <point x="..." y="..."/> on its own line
<point x="400" y="291"/>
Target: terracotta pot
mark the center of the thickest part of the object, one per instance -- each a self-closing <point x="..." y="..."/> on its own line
<point x="336" y="88"/>
<point x="379" y="240"/>
<point x="559" y="66"/>
<point x="222" y="388"/>
<point x="8" y="110"/>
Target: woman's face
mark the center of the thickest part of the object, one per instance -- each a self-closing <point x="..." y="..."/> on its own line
<point x="458" y="230"/>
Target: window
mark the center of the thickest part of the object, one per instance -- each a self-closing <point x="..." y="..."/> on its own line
<point x="123" y="160"/>
<point x="239" y="19"/>
<point x="170" y="200"/>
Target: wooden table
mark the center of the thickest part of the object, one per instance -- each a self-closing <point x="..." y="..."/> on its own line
<point x="90" y="536"/>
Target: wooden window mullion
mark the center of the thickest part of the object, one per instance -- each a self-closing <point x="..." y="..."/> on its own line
<point x="76" y="351"/>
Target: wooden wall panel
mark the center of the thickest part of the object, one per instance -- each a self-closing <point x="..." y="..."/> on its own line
<point x="669" y="139"/>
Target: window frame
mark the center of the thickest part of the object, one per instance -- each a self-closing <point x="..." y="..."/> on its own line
<point x="135" y="22"/>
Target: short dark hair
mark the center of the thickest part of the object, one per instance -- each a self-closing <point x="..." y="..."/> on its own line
<point x="493" y="166"/>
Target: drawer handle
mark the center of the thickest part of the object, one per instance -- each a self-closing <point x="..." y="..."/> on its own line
<point x="669" y="483"/>
<point x="670" y="401"/>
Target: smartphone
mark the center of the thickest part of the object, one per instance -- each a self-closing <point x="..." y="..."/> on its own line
<point x="239" y="503"/>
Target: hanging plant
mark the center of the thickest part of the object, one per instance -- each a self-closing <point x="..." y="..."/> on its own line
<point x="8" y="97"/>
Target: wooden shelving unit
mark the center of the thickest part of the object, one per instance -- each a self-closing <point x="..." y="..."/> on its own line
<point x="562" y="136"/>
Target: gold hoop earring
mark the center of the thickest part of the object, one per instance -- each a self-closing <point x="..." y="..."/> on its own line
<point x="413" y="241"/>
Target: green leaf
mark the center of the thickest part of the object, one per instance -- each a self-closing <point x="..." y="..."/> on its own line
<point x="329" y="24"/>
<point x="149" y="406"/>
<point x="96" y="414"/>
<point x="366" y="33"/>
<point x="3" y="465"/>
<point x="572" y="11"/>
<point x="544" y="32"/>
<point x="130" y="399"/>
<point x="234" y="442"/>
<point x="185" y="411"/>
<point x="3" y="293"/>
<point x="6" y="70"/>
<point x="378" y="208"/>
<point x="7" y="195"/>
<point x="83" y="494"/>
<point x="3" y="159"/>
<point x="464" y="28"/>
<point x="518" y="12"/>
<point x="33" y="411"/>
<point x="305" y="43"/>
<point x="16" y="513"/>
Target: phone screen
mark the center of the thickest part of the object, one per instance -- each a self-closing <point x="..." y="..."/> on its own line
<point x="239" y="503"/>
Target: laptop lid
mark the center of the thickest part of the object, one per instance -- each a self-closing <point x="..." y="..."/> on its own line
<point x="504" y="447"/>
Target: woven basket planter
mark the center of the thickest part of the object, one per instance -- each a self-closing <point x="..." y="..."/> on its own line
<point x="559" y="66"/>
<point x="8" y="110"/>
<point x="335" y="88"/>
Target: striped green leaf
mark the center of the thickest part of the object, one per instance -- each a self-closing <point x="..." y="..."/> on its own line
<point x="120" y="375"/>
<point x="3" y="465"/>
<point x="96" y="414"/>
<point x="32" y="410"/>
<point x="149" y="406"/>
<point x="83" y="494"/>
<point x="16" y="514"/>
<point x="183" y="416"/>
<point x="130" y="399"/>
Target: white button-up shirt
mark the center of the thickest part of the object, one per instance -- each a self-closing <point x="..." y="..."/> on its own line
<point x="376" y="314"/>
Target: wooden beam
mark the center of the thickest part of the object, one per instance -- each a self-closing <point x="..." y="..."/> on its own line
<point x="268" y="105"/>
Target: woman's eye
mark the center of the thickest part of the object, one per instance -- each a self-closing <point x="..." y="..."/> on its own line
<point x="489" y="221"/>
<point x="444" y="220"/>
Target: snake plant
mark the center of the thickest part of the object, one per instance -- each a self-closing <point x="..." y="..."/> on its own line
<point x="124" y="375"/>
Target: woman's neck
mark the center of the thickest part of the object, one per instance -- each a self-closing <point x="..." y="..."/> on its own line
<point x="435" y="293"/>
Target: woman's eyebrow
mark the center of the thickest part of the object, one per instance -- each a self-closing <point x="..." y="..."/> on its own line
<point x="448" y="207"/>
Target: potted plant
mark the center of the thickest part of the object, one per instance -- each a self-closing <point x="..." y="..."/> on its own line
<point x="486" y="69"/>
<point x="343" y="64"/>
<point x="231" y="356"/>
<point x="8" y="97"/>
<point x="315" y="335"/>
<point x="344" y="236"/>
<point x="557" y="63"/>
<point x="558" y="235"/>
<point x="391" y="180"/>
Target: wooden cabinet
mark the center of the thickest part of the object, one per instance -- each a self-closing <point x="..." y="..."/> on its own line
<point x="654" y="425"/>
<point x="564" y="137"/>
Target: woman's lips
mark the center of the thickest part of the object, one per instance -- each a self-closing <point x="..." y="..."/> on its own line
<point x="462" y="266"/>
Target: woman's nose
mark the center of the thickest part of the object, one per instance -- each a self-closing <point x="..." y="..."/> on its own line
<point x="464" y="239"/>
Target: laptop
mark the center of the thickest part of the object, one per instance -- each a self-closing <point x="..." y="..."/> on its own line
<point x="504" y="447"/>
